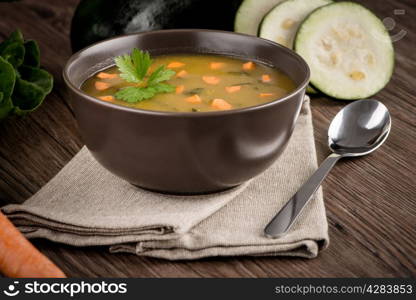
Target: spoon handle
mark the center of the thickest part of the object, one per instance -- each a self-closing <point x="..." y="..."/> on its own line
<point x="284" y="219"/>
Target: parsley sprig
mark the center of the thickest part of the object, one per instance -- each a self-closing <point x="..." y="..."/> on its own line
<point x="134" y="68"/>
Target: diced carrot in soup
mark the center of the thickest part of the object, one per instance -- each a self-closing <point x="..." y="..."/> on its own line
<point x="248" y="66"/>
<point x="104" y="75"/>
<point x="99" y="85"/>
<point x="181" y="74"/>
<point x="107" y="98"/>
<point x="211" y="79"/>
<point x="233" y="88"/>
<point x="216" y="65"/>
<point x="266" y="78"/>
<point x="175" y="64"/>
<point x="180" y="89"/>
<point x="266" y="94"/>
<point x="221" y="104"/>
<point x="193" y="99"/>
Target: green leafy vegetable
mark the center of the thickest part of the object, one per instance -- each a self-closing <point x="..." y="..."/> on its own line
<point x="39" y="77"/>
<point x="134" y="94"/>
<point x="27" y="96"/>
<point x="159" y="75"/>
<point x="23" y="85"/>
<point x="15" y="36"/>
<point x="134" y="68"/>
<point x="32" y="57"/>
<point x="163" y="88"/>
<point x="7" y="82"/>
<point x="14" y="54"/>
<point x="7" y="78"/>
<point x="6" y="107"/>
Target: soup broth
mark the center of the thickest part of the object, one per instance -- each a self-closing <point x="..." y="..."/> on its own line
<point x="202" y="83"/>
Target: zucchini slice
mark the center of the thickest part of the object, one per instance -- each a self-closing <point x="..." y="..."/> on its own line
<point x="282" y="22"/>
<point x="250" y="14"/>
<point x="348" y="49"/>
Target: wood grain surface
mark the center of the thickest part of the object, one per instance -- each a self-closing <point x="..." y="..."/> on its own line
<point x="370" y="201"/>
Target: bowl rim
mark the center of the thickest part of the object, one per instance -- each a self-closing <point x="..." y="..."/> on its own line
<point x="80" y="93"/>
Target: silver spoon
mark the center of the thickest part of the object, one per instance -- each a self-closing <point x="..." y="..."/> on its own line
<point x="358" y="129"/>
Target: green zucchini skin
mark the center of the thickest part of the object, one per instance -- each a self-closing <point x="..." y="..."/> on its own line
<point x="95" y="20"/>
<point x="324" y="87"/>
<point x="250" y="15"/>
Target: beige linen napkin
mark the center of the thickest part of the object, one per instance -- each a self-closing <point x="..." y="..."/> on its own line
<point x="85" y="205"/>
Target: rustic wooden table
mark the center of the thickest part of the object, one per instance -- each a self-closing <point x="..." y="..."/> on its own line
<point x="370" y="201"/>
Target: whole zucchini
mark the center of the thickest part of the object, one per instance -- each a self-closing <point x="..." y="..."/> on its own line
<point x="95" y="20"/>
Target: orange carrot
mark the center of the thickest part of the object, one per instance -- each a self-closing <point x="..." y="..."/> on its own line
<point x="221" y="104"/>
<point x="211" y="79"/>
<point x="99" y="85"/>
<point x="175" y="64"/>
<point x="248" y="66"/>
<point x="266" y="78"/>
<point x="181" y="74"/>
<point x="106" y="98"/>
<point x="266" y="94"/>
<point x="216" y="65"/>
<point x="180" y="89"/>
<point x="19" y="258"/>
<point x="103" y="75"/>
<point x="193" y="99"/>
<point x="233" y="88"/>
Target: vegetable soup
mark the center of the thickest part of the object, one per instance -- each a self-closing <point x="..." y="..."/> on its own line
<point x="187" y="83"/>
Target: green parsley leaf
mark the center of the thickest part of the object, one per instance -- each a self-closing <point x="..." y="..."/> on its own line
<point x="133" y="94"/>
<point x="126" y="68"/>
<point x="163" y="88"/>
<point x="134" y="68"/>
<point x="142" y="60"/>
<point x="160" y="74"/>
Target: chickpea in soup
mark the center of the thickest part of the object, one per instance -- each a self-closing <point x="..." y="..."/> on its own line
<point x="189" y="83"/>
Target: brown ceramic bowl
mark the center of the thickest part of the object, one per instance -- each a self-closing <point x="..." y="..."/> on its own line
<point x="186" y="152"/>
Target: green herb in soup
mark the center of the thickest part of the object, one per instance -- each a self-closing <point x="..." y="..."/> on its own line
<point x="134" y="68"/>
<point x="187" y="83"/>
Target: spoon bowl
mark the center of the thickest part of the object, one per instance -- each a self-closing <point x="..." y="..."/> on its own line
<point x="358" y="129"/>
